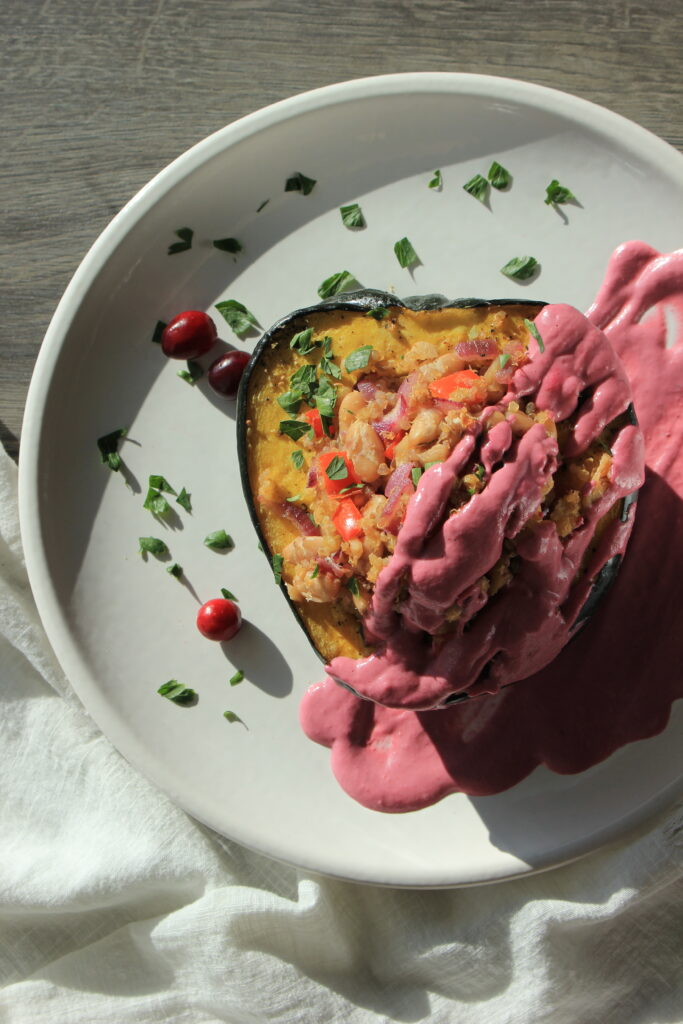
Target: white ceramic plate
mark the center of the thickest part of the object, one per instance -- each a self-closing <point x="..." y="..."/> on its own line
<point x="121" y="627"/>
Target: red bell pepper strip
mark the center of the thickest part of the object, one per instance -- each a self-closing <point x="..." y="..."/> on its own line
<point x="391" y="447"/>
<point x="313" y="417"/>
<point x="340" y="479"/>
<point x="347" y="520"/>
<point x="463" y="380"/>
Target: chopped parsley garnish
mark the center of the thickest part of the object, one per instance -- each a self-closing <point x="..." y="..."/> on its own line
<point x="436" y="181"/>
<point x="175" y="570"/>
<point x="152" y="545"/>
<point x="277" y="562"/>
<point x="520" y="268"/>
<point x="479" y="471"/>
<point x="264" y="203"/>
<point x="499" y="176"/>
<point x="352" y="585"/>
<point x="379" y="313"/>
<point x="156" y="503"/>
<point x="534" y="332"/>
<point x="219" y="540"/>
<point x="352" y="216"/>
<point x="337" y="469"/>
<point x="504" y="359"/>
<point x="302" y="342"/>
<point x="316" y="570"/>
<point x="228" y="595"/>
<point x="227" y="245"/>
<point x="237" y="678"/>
<point x="185" y="235"/>
<point x="237" y="316"/>
<point x="304" y="378"/>
<point x="351" y="487"/>
<point x="232" y="717"/>
<point x="556" y="193"/>
<point x="358" y="359"/>
<point x="294" y="429"/>
<point x="415" y="473"/>
<point x="290" y="401"/>
<point x="325" y="398"/>
<point x="405" y="254"/>
<point x="160" y="483"/>
<point x="192" y="373"/>
<point x="300" y="183"/>
<point x="298" y="459"/>
<point x="184" y="500"/>
<point x="109" y="445"/>
<point x="178" y="693"/>
<point x="327" y="366"/>
<point x="158" y="331"/>
<point x="478" y="187"/>
<point x="344" y="281"/>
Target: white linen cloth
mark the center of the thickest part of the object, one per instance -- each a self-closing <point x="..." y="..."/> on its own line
<point x="115" y="906"/>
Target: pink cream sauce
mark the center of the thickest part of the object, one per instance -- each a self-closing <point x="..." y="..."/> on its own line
<point x="615" y="682"/>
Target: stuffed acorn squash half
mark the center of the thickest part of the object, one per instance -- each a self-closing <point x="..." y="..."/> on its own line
<point x="445" y="488"/>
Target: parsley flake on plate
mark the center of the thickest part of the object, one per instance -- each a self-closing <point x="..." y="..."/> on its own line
<point x="352" y="216"/>
<point x="499" y="176"/>
<point x="184" y="500"/>
<point x="298" y="182"/>
<point x="228" y="594"/>
<point x="160" y="483"/>
<point x="185" y="235"/>
<point x="478" y="187"/>
<point x="175" y="570"/>
<point x="193" y="372"/>
<point x="436" y="180"/>
<point x="237" y="316"/>
<point x="109" y="448"/>
<point x="219" y="540"/>
<point x="405" y="254"/>
<point x="230" y="245"/>
<point x="520" y="268"/>
<point x="179" y="694"/>
<point x="153" y="546"/>
<point x="237" y="678"/>
<point x="277" y="563"/>
<point x="343" y="281"/>
<point x="556" y="193"/>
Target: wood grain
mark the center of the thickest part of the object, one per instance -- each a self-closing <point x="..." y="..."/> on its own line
<point x="100" y="96"/>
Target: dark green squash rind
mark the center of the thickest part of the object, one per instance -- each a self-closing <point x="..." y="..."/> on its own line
<point x="365" y="300"/>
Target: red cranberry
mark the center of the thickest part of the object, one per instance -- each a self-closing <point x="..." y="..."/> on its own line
<point x="219" y="619"/>
<point x="226" y="372"/>
<point x="188" y="335"/>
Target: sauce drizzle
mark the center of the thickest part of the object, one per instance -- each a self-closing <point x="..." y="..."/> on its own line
<point x="616" y="681"/>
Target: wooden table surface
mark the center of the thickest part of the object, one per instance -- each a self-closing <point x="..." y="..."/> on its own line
<point x="99" y="96"/>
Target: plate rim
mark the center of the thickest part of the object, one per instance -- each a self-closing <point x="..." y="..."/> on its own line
<point x="591" y="115"/>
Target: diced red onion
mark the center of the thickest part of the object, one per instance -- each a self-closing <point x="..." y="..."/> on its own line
<point x="367" y="389"/>
<point x="329" y="565"/>
<point x="445" y="405"/>
<point x="477" y="349"/>
<point x="388" y="427"/>
<point x="300" y="517"/>
<point x="312" y="477"/>
<point x="399" y="483"/>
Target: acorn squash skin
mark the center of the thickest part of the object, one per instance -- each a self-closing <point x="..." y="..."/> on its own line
<point x="364" y="301"/>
